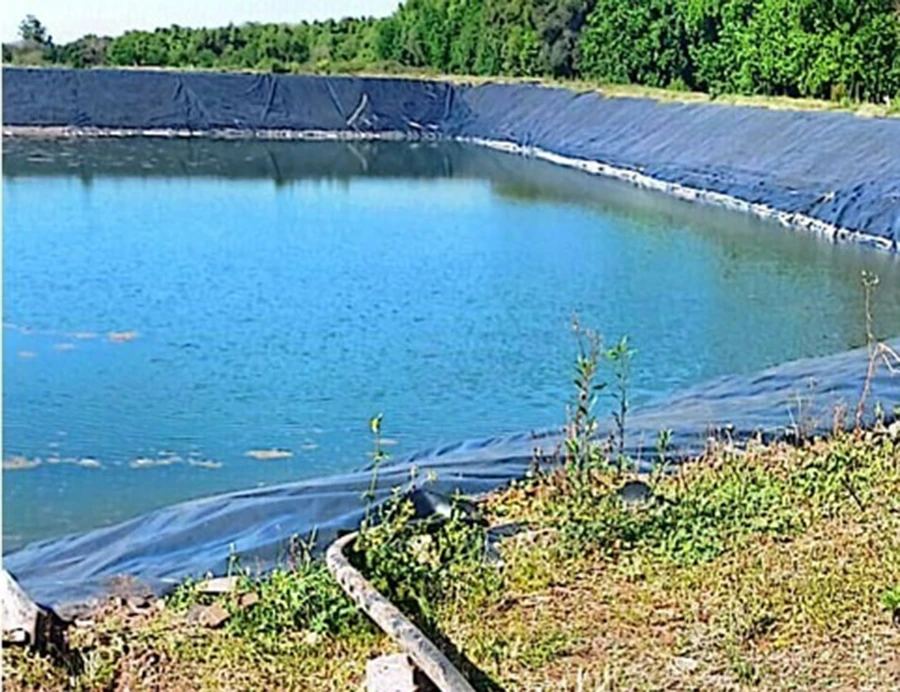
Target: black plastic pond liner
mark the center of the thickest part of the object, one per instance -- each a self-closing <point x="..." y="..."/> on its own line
<point x="194" y="538"/>
<point x="838" y="168"/>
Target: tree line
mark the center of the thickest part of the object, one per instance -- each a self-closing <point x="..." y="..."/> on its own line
<point x="831" y="49"/>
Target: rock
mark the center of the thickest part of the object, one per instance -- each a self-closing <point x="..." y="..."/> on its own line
<point x="635" y="493"/>
<point x="248" y="599"/>
<point x="20" y="613"/>
<point x="218" y="585"/>
<point x="27" y="623"/>
<point x="127" y="590"/>
<point x="137" y="604"/>
<point x="390" y="673"/>
<point x="311" y="638"/>
<point x="894" y="429"/>
<point x="685" y="664"/>
<point x="211" y="616"/>
<point x="492" y="554"/>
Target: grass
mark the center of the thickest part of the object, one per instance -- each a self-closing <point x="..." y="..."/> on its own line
<point x="301" y="633"/>
<point x="863" y="109"/>
<point x="758" y="568"/>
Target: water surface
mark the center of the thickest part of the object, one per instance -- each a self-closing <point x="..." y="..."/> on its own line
<point x="171" y="306"/>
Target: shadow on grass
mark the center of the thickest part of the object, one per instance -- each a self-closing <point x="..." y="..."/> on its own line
<point x="478" y="678"/>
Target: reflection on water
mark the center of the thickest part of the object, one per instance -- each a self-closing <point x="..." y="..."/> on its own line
<point x="180" y="307"/>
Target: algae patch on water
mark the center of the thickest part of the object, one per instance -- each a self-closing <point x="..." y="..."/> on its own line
<point x="269" y="454"/>
<point x="170" y="459"/>
<point x="17" y="462"/>
<point x="122" y="337"/>
<point x="205" y="463"/>
<point x="149" y="462"/>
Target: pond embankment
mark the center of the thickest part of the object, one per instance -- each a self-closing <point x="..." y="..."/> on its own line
<point x="838" y="173"/>
<point x="835" y="174"/>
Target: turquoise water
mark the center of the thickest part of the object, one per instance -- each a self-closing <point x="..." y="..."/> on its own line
<point x="173" y="308"/>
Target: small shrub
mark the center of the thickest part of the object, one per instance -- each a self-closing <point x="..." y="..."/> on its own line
<point x="891" y="601"/>
<point x="421" y="565"/>
<point x="305" y="598"/>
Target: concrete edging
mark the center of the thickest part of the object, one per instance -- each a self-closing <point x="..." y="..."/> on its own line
<point x="427" y="657"/>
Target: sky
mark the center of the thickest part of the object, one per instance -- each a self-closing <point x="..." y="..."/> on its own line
<point x="67" y="20"/>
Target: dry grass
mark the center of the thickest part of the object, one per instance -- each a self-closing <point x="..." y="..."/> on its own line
<point x="164" y="651"/>
<point x="863" y="109"/>
<point x="779" y="608"/>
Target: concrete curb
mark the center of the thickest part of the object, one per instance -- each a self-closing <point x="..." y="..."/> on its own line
<point x="427" y="657"/>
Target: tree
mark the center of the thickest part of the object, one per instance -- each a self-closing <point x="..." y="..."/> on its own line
<point x="88" y="51"/>
<point x="559" y="23"/>
<point x="32" y="31"/>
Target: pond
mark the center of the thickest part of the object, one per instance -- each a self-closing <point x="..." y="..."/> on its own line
<point x="187" y="317"/>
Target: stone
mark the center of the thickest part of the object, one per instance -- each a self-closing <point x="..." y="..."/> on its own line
<point x="636" y="493"/>
<point x="390" y="673"/>
<point x="248" y="599"/>
<point x="20" y="613"/>
<point x="685" y="664"/>
<point x="211" y="616"/>
<point x="218" y="585"/>
<point x="27" y="623"/>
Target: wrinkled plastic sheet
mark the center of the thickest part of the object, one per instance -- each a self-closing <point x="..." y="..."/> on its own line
<point x="835" y="167"/>
<point x="195" y="538"/>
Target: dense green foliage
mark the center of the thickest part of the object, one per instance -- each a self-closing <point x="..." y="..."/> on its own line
<point x="812" y="48"/>
<point x="270" y="47"/>
<point x="833" y="49"/>
<point x="485" y="37"/>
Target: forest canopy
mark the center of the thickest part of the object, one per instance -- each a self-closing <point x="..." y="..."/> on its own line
<point x="829" y="49"/>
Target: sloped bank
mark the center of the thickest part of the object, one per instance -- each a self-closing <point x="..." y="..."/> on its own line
<point x="164" y="547"/>
<point x="836" y="174"/>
